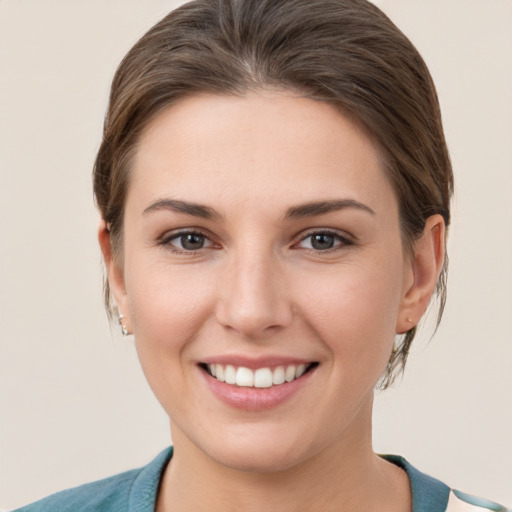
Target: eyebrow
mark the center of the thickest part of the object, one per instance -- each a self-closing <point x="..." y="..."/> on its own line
<point x="321" y="207"/>
<point x="295" y="212"/>
<point x="192" y="209"/>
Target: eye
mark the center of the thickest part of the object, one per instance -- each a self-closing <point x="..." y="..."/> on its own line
<point x="323" y="241"/>
<point x="188" y="241"/>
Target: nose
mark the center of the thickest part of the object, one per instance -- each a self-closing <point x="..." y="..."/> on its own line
<point x="254" y="299"/>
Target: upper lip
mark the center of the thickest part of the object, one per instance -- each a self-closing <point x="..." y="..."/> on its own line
<point x="254" y="363"/>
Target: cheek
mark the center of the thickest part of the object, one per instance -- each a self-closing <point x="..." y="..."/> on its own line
<point x="165" y="298"/>
<point x="354" y="310"/>
<point x="168" y="308"/>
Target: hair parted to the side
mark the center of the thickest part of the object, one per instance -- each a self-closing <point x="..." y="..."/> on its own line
<point x="345" y="52"/>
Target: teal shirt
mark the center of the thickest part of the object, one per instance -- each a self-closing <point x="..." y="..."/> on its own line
<point x="136" y="490"/>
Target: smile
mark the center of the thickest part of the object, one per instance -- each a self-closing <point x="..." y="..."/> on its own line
<point x="265" y="377"/>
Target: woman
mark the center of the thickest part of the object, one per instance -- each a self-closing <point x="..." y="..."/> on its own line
<point x="274" y="186"/>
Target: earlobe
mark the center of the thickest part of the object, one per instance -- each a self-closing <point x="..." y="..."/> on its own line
<point x="425" y="265"/>
<point x="115" y="273"/>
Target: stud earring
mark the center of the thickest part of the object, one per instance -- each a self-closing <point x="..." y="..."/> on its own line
<point x="409" y="320"/>
<point x="124" y="330"/>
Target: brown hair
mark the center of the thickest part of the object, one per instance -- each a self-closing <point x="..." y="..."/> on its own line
<point x="345" y="52"/>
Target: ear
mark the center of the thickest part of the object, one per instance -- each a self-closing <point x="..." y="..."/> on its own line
<point x="115" y="274"/>
<point x="424" y="268"/>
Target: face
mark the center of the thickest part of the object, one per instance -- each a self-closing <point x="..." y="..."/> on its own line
<point x="262" y="247"/>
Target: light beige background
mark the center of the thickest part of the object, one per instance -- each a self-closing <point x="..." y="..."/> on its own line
<point x="74" y="405"/>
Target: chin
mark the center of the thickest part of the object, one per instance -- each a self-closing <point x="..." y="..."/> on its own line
<point x="261" y="452"/>
<point x="259" y="460"/>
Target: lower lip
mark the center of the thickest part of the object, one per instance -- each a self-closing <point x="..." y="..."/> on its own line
<point x="255" y="399"/>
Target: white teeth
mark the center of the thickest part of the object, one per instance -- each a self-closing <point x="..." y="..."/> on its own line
<point x="219" y="372"/>
<point x="278" y="376"/>
<point x="260" y="378"/>
<point x="263" y="378"/>
<point x="289" y="375"/>
<point x="300" y="370"/>
<point x="230" y="374"/>
<point x="244" y="377"/>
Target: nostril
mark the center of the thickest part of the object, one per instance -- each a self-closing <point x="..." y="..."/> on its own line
<point x="253" y="321"/>
<point x="253" y="300"/>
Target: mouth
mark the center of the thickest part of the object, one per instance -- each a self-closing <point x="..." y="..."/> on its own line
<point x="265" y="377"/>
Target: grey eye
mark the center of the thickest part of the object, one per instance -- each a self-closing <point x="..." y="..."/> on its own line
<point x="189" y="241"/>
<point x="322" y="241"/>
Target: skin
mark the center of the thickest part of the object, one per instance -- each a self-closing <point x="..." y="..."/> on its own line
<point x="259" y="288"/>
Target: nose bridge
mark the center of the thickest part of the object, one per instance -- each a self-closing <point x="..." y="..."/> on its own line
<point x="254" y="298"/>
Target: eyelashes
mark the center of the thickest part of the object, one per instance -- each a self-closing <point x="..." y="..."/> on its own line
<point x="187" y="242"/>
<point x="323" y="241"/>
<point x="195" y="242"/>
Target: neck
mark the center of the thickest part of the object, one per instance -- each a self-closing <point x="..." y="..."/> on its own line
<point x="345" y="476"/>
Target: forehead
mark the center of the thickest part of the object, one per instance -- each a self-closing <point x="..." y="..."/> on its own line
<point x="267" y="145"/>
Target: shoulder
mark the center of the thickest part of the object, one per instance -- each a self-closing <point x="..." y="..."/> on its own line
<point x="432" y="495"/>
<point x="109" y="494"/>
<point x="462" y="502"/>
<point x="131" y="490"/>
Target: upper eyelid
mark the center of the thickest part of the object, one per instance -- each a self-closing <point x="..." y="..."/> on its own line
<point x="330" y="231"/>
<point x="175" y="233"/>
<point x="167" y="239"/>
<point x="304" y="234"/>
<point x="342" y="242"/>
